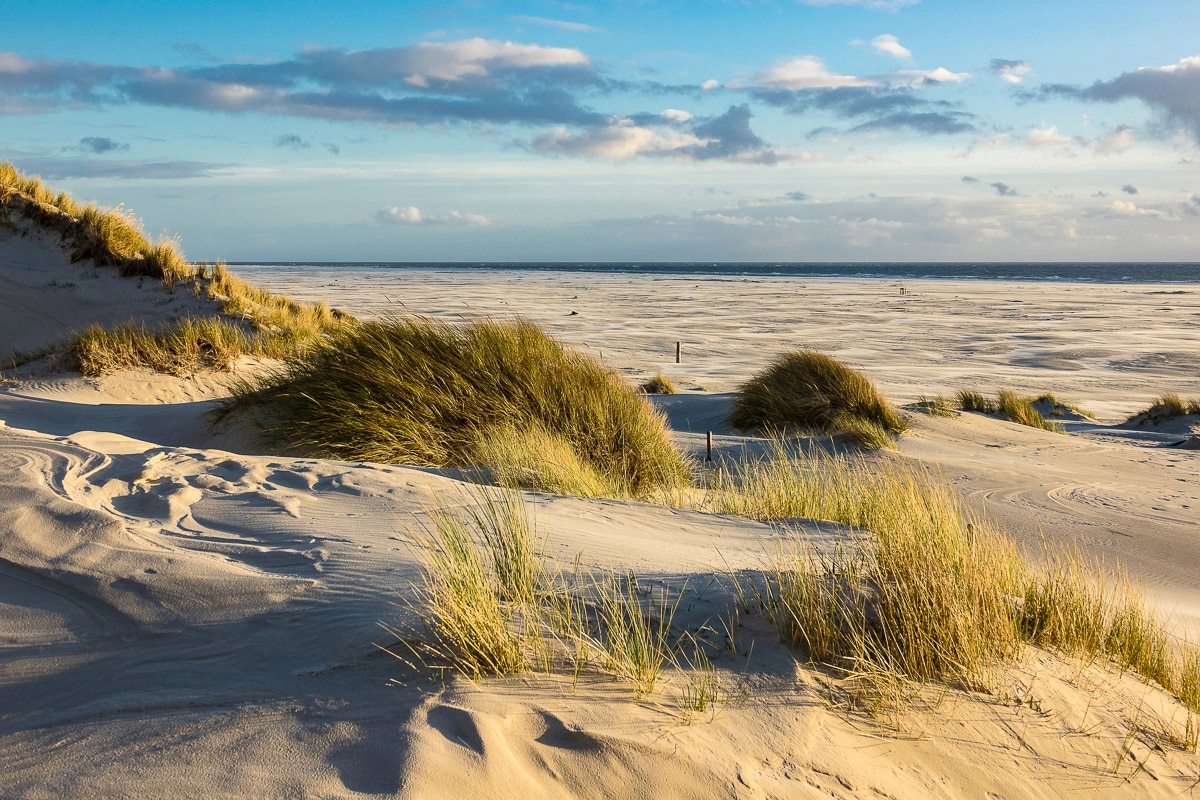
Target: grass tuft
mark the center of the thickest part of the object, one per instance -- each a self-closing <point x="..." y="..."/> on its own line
<point x="534" y="458"/>
<point x="809" y="391"/>
<point x="925" y="596"/>
<point x="1019" y="409"/>
<point x="1011" y="406"/>
<point x="1165" y="408"/>
<point x="427" y="393"/>
<point x="974" y="401"/>
<point x="928" y="591"/>
<point x="493" y="606"/>
<point x="251" y="320"/>
<point x="469" y="595"/>
<point x="936" y="407"/>
<point x="660" y="384"/>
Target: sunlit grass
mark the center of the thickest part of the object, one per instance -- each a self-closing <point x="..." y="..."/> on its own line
<point x="809" y="391"/>
<point x="499" y="395"/>
<point x="246" y="320"/>
<point x="1011" y="406"/>
<point x="1166" y="407"/>
<point x="926" y="590"/>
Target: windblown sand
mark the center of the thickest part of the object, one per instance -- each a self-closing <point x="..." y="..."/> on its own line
<point x="184" y="615"/>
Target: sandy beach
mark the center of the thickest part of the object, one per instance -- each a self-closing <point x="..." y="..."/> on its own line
<point x="182" y="612"/>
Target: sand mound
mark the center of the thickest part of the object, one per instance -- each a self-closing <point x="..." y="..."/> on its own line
<point x="43" y="296"/>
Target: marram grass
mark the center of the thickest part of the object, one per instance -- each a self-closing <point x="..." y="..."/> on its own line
<point x="1165" y="408"/>
<point x="251" y="321"/>
<point x="811" y="392"/>
<point x="1013" y="407"/>
<point x="660" y="384"/>
<point x="929" y="591"/>
<point x="492" y="604"/>
<point x="499" y="395"/>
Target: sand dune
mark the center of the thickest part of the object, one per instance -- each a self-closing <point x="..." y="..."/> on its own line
<point x="180" y="614"/>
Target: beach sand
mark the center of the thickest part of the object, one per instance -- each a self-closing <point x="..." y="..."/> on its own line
<point x="182" y="613"/>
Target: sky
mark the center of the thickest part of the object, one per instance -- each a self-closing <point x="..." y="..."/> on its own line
<point x="626" y="130"/>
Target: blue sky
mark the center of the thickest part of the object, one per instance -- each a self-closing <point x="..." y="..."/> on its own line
<point x="839" y="130"/>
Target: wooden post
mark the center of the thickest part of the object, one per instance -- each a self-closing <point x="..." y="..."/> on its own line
<point x="709" y="458"/>
<point x="678" y="351"/>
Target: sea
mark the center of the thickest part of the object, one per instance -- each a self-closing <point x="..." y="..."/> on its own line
<point x="1083" y="272"/>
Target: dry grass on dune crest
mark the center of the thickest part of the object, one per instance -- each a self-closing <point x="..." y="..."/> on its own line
<point x="252" y="321"/>
<point x="499" y="395"/>
<point x="1015" y="408"/>
<point x="1165" y="408"/>
<point x="809" y="391"/>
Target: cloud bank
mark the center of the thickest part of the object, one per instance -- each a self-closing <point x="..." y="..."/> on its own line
<point x="1173" y="92"/>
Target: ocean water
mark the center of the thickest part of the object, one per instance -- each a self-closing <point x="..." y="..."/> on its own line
<point x="1086" y="272"/>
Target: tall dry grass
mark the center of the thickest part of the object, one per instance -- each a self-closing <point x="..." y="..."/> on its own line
<point x="1166" y="407"/>
<point x="499" y="395"/>
<point x="809" y="391"/>
<point x="251" y="321"/>
<point x="494" y="605"/>
<point x="929" y="591"/>
<point x="1011" y="406"/>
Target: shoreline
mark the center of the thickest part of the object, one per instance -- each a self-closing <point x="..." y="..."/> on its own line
<point x="754" y="269"/>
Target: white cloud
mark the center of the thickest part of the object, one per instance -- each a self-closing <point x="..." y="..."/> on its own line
<point x="710" y="84"/>
<point x="676" y="115"/>
<point x="1127" y="208"/>
<point x="889" y="45"/>
<point x="1116" y="141"/>
<point x="473" y="58"/>
<point x="407" y="215"/>
<point x="725" y="219"/>
<point x="620" y="140"/>
<point x="1048" y="138"/>
<point x="1185" y="65"/>
<point x="1013" y="72"/>
<point x="916" y="78"/>
<point x="411" y="215"/>
<point x="807" y="72"/>
<point x="810" y="72"/>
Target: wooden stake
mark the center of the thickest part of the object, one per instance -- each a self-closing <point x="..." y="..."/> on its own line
<point x="678" y="351"/>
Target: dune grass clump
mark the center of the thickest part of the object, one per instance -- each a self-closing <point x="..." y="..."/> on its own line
<point x="180" y="348"/>
<point x="928" y="591"/>
<point x="1011" y="406"/>
<point x="1059" y="408"/>
<point x="482" y="569"/>
<point x="936" y="407"/>
<point x="809" y="391"/>
<point x="974" y="401"/>
<point x="492" y="604"/>
<point x="660" y="384"/>
<point x="251" y="321"/>
<point x="533" y="458"/>
<point x="1020" y="410"/>
<point x="1166" y="408"/>
<point x="486" y="394"/>
<point x="105" y="237"/>
<point x="926" y="595"/>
